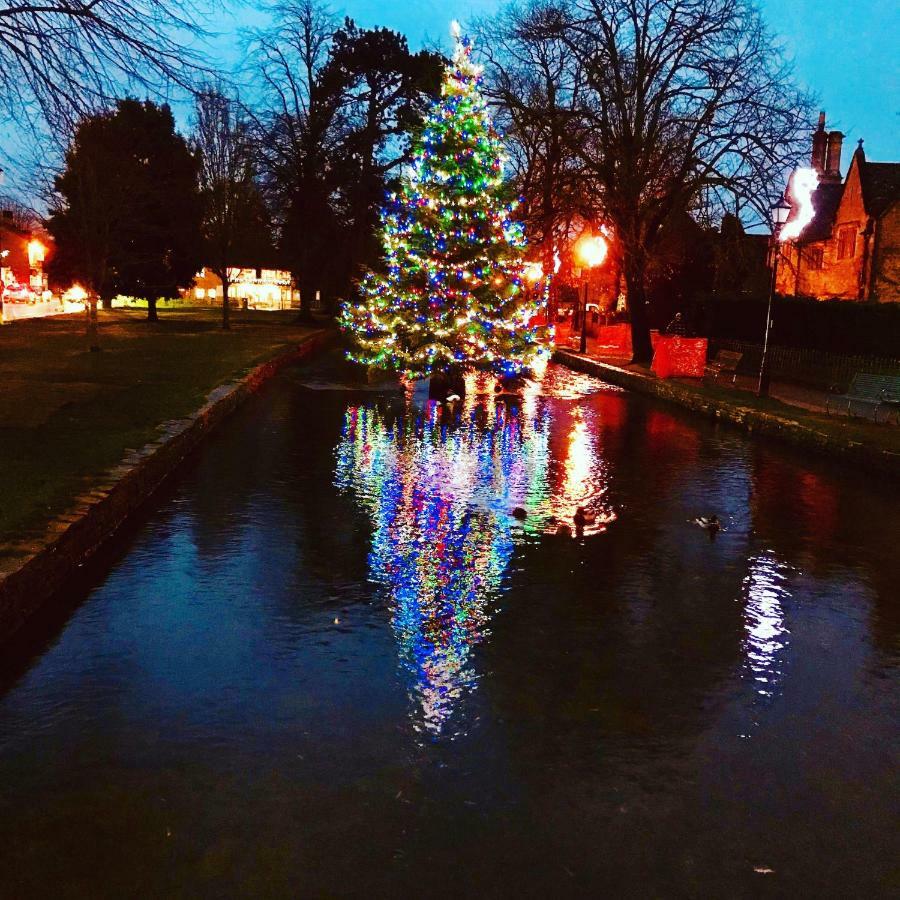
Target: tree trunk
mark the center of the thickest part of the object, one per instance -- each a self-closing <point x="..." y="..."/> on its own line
<point x="306" y="291"/>
<point x="151" y="310"/>
<point x="636" y="299"/>
<point x="106" y="302"/>
<point x="93" y="335"/>
<point x="226" y="313"/>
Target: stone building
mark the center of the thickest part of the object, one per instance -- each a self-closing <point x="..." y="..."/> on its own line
<point x="23" y="254"/>
<point x="255" y="288"/>
<point x="851" y="248"/>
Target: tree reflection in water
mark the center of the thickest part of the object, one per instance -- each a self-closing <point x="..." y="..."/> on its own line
<point x="440" y="485"/>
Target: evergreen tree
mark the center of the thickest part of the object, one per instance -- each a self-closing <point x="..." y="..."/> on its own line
<point x="453" y="293"/>
<point x="126" y="216"/>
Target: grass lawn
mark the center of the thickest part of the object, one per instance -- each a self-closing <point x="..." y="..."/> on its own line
<point x="67" y="415"/>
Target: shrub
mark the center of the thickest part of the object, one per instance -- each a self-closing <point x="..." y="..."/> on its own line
<point x="834" y="326"/>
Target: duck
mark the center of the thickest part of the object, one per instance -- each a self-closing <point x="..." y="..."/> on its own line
<point x="710" y="523"/>
<point x="582" y="518"/>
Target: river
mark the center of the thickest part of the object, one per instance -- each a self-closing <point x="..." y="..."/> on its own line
<point x="329" y="660"/>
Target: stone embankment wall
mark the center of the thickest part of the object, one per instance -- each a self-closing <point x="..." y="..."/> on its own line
<point x="36" y="572"/>
<point x="864" y="456"/>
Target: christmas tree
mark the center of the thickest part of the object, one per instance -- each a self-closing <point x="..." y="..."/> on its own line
<point x="453" y="293"/>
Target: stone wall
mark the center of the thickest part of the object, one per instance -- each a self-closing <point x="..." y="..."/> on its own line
<point x="41" y="570"/>
<point x="886" y="281"/>
<point x="861" y="456"/>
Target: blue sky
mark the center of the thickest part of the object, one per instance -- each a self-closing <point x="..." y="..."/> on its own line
<point x="846" y="51"/>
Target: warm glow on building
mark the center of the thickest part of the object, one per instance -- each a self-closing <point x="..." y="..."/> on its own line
<point x="75" y="294"/>
<point x="36" y="253"/>
<point x="253" y="288"/>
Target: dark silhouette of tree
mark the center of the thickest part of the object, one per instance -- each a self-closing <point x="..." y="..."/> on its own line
<point x="297" y="130"/>
<point x="687" y="102"/>
<point x="65" y="59"/>
<point x="536" y="89"/>
<point x="126" y="217"/>
<point x="385" y="93"/>
<point x="16" y="214"/>
<point x="87" y="211"/>
<point x="337" y="101"/>
<point x="740" y="261"/>
<point x="235" y="226"/>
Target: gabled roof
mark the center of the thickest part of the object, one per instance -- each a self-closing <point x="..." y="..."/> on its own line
<point x="880" y="185"/>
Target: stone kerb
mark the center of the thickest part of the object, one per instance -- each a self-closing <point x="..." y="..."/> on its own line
<point x="37" y="570"/>
<point x="874" y="459"/>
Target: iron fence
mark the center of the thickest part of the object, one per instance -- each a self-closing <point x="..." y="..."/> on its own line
<point x="815" y="368"/>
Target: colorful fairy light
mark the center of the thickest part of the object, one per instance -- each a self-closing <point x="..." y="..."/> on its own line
<point x="453" y="293"/>
<point x="439" y="485"/>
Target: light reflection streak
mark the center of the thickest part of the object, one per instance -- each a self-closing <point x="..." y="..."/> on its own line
<point x="439" y="485"/>
<point x="766" y="635"/>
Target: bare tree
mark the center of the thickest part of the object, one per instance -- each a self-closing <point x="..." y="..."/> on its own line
<point x="536" y="86"/>
<point x="66" y="58"/>
<point x="298" y="129"/>
<point x="17" y="215"/>
<point x="686" y="102"/>
<point x="231" y="204"/>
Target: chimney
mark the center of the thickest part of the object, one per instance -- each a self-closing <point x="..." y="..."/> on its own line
<point x="833" y="159"/>
<point x="819" y="143"/>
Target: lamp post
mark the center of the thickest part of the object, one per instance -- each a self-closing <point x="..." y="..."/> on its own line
<point x="780" y="213"/>
<point x="590" y="251"/>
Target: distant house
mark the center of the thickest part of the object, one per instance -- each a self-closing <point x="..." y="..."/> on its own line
<point x="23" y="253"/>
<point x="255" y="288"/>
<point x="851" y="249"/>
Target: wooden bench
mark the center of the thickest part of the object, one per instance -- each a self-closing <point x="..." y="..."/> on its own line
<point x="726" y="361"/>
<point x="868" y="392"/>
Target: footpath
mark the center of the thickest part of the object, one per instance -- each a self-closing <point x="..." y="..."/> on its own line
<point x="86" y="438"/>
<point x="792" y="414"/>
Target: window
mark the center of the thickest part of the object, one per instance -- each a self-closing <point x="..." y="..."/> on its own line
<point x="816" y="258"/>
<point x="846" y="242"/>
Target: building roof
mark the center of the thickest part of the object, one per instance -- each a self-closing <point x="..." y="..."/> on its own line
<point x="880" y="185"/>
<point x="825" y="199"/>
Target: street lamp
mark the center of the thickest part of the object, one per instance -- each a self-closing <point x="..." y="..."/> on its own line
<point x="590" y="251"/>
<point x="780" y="212"/>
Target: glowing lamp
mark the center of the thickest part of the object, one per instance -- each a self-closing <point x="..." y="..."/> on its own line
<point x="780" y="211"/>
<point x="36" y="251"/>
<point x="533" y="271"/>
<point x="591" y="250"/>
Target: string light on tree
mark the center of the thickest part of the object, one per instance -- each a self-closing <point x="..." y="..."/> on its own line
<point x="453" y="292"/>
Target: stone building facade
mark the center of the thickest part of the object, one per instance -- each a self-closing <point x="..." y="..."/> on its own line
<point x="851" y="248"/>
<point x="23" y="255"/>
<point x="256" y="288"/>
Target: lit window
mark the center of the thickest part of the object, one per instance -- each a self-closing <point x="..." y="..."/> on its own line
<point x="199" y="293"/>
<point x="846" y="244"/>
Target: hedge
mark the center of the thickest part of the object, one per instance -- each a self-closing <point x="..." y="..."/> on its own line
<point x="833" y="326"/>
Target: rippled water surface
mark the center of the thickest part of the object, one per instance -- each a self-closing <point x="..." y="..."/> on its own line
<point x="330" y="660"/>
